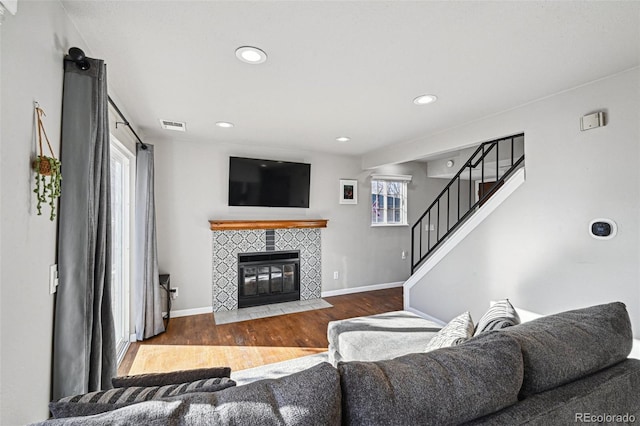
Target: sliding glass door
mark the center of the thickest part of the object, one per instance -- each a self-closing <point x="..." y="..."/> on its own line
<point x="120" y="222"/>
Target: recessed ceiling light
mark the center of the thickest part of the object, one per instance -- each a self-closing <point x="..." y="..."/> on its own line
<point x="251" y="55"/>
<point x="425" y="99"/>
<point x="224" y="124"/>
<point x="343" y="139"/>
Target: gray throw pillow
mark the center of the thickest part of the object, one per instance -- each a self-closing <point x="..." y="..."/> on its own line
<point x="170" y="378"/>
<point x="500" y="315"/>
<point x="457" y="331"/>
<point x="101" y="401"/>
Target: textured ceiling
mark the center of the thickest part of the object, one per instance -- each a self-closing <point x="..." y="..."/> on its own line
<point x="346" y="68"/>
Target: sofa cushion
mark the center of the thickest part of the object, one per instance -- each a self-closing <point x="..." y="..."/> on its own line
<point x="500" y="315"/>
<point x="567" y="346"/>
<point x="445" y="386"/>
<point x="144" y="413"/>
<point x="612" y="391"/>
<point x="170" y="378"/>
<point x="98" y="402"/>
<point x="457" y="331"/>
<point x="309" y="397"/>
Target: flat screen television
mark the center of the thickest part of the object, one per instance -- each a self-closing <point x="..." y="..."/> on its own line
<point x="268" y="183"/>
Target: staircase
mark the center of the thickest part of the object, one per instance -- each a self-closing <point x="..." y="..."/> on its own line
<point x="490" y="166"/>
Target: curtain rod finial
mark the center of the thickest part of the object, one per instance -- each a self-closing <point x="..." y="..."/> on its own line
<point x="77" y="55"/>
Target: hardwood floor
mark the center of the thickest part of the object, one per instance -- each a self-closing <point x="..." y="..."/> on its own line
<point x="196" y="341"/>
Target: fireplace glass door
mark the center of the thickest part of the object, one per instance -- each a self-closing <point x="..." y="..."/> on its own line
<point x="268" y="278"/>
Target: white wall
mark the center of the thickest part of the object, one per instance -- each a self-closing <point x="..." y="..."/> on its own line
<point x="1" y="235"/>
<point x="192" y="188"/>
<point x="535" y="249"/>
<point x="33" y="44"/>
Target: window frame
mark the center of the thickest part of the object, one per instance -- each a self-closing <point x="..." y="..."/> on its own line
<point x="402" y="181"/>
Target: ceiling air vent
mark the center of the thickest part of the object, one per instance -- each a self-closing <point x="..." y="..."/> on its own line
<point x="178" y="126"/>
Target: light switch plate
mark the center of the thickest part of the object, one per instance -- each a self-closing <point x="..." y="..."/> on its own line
<point x="53" y="278"/>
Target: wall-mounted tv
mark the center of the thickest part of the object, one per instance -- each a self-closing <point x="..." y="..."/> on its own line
<point x="268" y="183"/>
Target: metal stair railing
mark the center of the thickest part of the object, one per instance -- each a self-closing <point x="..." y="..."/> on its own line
<point x="459" y="213"/>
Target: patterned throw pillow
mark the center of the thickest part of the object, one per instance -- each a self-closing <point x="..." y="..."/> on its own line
<point x="500" y="315"/>
<point x="457" y="331"/>
<point x="102" y="401"/>
<point x="170" y="377"/>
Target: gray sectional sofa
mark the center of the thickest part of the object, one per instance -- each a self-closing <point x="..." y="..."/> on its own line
<point x="561" y="369"/>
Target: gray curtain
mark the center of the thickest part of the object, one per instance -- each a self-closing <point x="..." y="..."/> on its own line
<point x="84" y="353"/>
<point x="147" y="301"/>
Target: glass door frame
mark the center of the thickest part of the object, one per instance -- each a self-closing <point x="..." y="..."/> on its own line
<point x="121" y="153"/>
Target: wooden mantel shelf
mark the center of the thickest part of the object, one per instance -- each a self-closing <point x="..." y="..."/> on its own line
<point x="235" y="225"/>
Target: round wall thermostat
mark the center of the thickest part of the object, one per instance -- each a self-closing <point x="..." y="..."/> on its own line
<point x="603" y="229"/>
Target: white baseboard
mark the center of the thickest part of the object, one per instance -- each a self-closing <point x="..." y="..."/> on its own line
<point x="525" y="315"/>
<point x="360" y="289"/>
<point x="209" y="309"/>
<point x="425" y="316"/>
<point x="133" y="338"/>
<point x="194" y="311"/>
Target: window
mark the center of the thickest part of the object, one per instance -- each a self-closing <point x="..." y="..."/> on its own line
<point x="389" y="200"/>
<point x="120" y="219"/>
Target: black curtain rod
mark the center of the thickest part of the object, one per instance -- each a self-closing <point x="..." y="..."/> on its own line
<point x="126" y="122"/>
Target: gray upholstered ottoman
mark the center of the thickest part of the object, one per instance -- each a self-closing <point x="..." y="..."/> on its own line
<point x="379" y="337"/>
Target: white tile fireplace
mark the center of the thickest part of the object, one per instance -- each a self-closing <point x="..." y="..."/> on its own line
<point x="233" y="238"/>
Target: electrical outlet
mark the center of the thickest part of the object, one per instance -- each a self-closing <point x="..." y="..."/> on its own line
<point x="174" y="293"/>
<point x="429" y="227"/>
<point x="336" y="275"/>
<point x="53" y="278"/>
<point x="403" y="255"/>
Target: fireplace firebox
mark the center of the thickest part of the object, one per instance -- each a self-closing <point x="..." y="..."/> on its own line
<point x="268" y="277"/>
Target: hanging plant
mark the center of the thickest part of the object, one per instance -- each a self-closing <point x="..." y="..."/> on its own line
<point x="48" y="172"/>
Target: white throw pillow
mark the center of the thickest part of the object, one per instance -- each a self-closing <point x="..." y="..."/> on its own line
<point x="500" y="315"/>
<point x="457" y="331"/>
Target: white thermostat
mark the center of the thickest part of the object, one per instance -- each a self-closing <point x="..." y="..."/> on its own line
<point x="603" y="229"/>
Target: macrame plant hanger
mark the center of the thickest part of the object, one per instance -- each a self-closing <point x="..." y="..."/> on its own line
<point x="48" y="175"/>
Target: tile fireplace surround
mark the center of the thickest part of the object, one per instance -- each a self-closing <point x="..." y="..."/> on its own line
<point x="230" y="237"/>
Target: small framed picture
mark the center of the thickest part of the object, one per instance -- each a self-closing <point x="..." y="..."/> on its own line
<point x="348" y="191"/>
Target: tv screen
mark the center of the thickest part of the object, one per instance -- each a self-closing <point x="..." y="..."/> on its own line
<point x="268" y="183"/>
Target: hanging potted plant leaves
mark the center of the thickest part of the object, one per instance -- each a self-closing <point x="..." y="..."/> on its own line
<point x="48" y="173"/>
